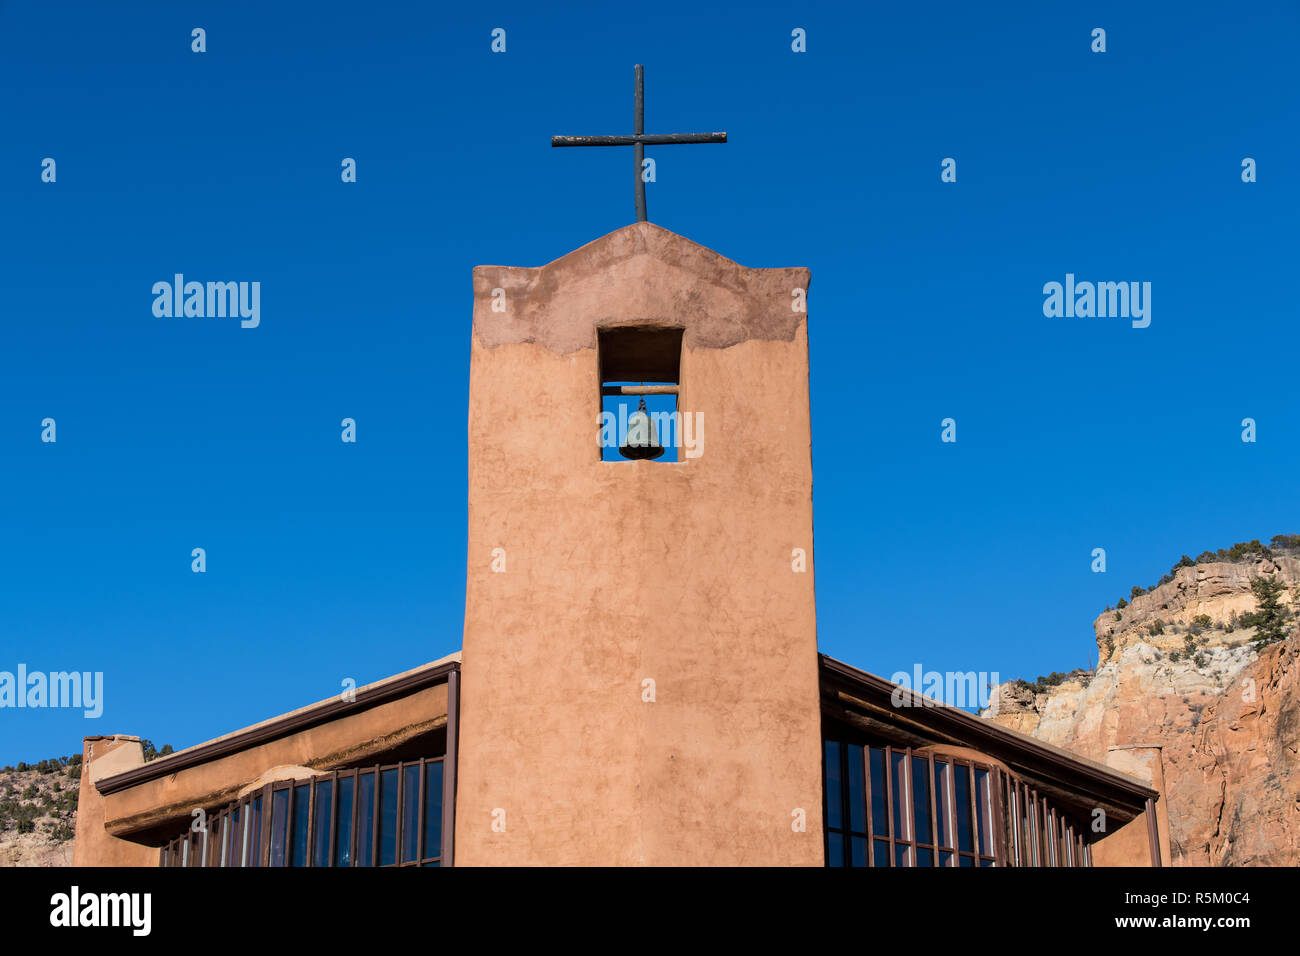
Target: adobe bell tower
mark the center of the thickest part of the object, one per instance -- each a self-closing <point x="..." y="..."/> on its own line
<point x="640" y="681"/>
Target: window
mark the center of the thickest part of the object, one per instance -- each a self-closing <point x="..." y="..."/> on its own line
<point x="1039" y="834"/>
<point x="365" y="819"/>
<point x="379" y="816"/>
<point x="891" y="807"/>
<point x="433" y="772"/>
<point x="640" y="371"/>
<point x="343" y="828"/>
<point x="301" y="812"/>
<point x="323" y="817"/>
<point x="388" y="816"/>
<point x="411" y="813"/>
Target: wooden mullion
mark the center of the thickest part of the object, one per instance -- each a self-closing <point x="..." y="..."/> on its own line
<point x="264" y="828"/>
<point x="909" y="803"/>
<point x="288" y="823"/>
<point x="374" y="821"/>
<point x="401" y="815"/>
<point x="934" y="808"/>
<point x="332" y="836"/>
<point x="997" y="826"/>
<point x="353" y="836"/>
<point x="866" y="789"/>
<point x="889" y="802"/>
<point x="957" y="767"/>
<point x="1013" y="793"/>
<point x="311" y="798"/>
<point x="422" y="809"/>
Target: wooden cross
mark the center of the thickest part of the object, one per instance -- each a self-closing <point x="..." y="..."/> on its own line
<point x="639" y="141"/>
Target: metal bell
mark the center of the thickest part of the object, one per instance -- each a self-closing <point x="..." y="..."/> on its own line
<point x="642" y="437"/>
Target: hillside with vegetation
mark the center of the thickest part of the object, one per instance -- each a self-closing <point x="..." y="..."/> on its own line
<point x="38" y="812"/>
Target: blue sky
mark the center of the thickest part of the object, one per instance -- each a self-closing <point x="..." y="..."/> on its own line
<point x="329" y="561"/>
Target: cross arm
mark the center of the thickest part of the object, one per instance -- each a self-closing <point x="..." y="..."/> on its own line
<point x="652" y="139"/>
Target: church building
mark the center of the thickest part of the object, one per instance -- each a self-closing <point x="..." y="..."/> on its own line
<point x="637" y="686"/>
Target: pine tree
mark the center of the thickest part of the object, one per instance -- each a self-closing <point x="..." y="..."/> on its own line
<point x="1269" y="617"/>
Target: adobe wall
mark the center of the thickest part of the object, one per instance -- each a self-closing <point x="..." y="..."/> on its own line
<point x="103" y="756"/>
<point x="1131" y="844"/>
<point x="619" y="572"/>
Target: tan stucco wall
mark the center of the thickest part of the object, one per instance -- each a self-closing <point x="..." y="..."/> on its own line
<point x="621" y="572"/>
<point x="322" y="748"/>
<point x="1131" y="844"/>
<point x="102" y="757"/>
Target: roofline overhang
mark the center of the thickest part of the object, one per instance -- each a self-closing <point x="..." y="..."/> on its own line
<point x="372" y="695"/>
<point x="1016" y="749"/>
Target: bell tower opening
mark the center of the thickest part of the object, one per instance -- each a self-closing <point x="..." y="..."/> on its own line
<point x="640" y="377"/>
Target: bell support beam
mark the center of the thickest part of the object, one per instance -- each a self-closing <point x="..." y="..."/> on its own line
<point x="638" y="390"/>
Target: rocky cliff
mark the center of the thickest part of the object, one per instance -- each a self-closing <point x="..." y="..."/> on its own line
<point x="1178" y="669"/>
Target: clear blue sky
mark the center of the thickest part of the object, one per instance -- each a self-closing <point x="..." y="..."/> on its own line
<point x="328" y="561"/>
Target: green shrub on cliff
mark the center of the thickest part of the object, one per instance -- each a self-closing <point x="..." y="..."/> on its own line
<point x="1269" y="619"/>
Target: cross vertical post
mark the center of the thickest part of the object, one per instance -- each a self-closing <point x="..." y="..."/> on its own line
<point x="638" y="150"/>
<point x="639" y="140"/>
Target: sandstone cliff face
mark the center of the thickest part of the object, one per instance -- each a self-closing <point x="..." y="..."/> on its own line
<point x="1227" y="716"/>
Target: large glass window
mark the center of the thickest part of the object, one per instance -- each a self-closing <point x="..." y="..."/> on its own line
<point x="846" y="816"/>
<point x="385" y="816"/>
<point x="896" y="807"/>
